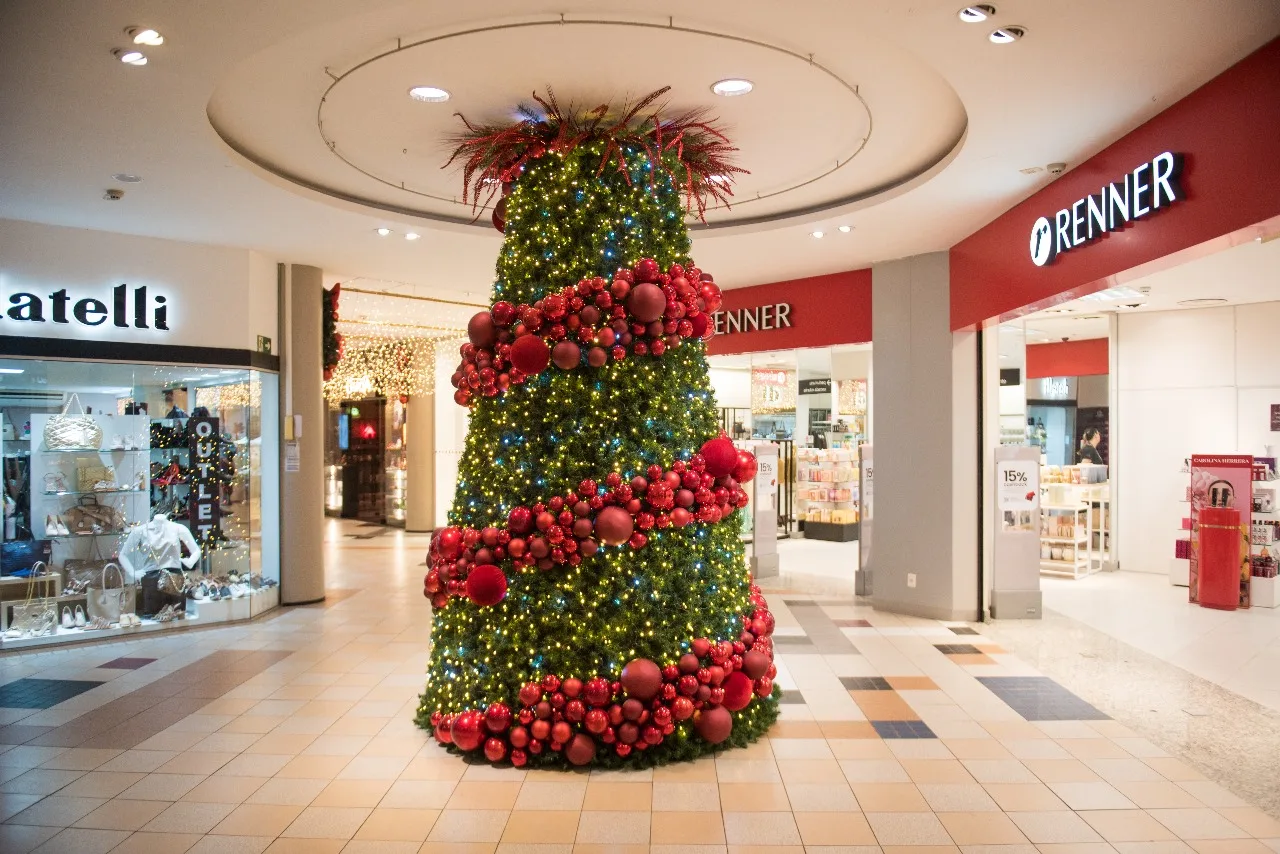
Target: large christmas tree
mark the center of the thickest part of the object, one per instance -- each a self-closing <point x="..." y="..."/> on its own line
<point x="592" y="603"/>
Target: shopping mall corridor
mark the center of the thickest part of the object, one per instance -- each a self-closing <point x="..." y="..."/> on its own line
<point x="295" y="733"/>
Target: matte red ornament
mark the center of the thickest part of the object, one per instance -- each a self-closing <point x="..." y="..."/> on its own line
<point x="755" y="664"/>
<point x="519" y="736"/>
<point x="737" y="691"/>
<point x="486" y="585"/>
<point x="720" y="456"/>
<point x="468" y="730"/>
<point x="566" y="355"/>
<point x="581" y="750"/>
<point x="714" y="724"/>
<point x="530" y="354"/>
<point x="481" y="330"/>
<point x="628" y="733"/>
<point x="689" y="663"/>
<point x="745" y="468"/>
<point x="597" y="357"/>
<point x="641" y="679"/>
<point x="646" y="303"/>
<point x="500" y="216"/>
<point x="614" y="526"/>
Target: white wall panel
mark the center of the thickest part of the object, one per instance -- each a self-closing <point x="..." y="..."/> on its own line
<point x="1177" y="349"/>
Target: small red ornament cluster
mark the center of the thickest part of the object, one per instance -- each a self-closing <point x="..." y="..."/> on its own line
<point x="579" y="718"/>
<point x="566" y="529"/>
<point x="642" y="311"/>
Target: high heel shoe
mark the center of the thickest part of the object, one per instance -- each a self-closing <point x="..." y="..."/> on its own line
<point x="80" y="620"/>
<point x="63" y="530"/>
<point x="50" y="527"/>
<point x="67" y="622"/>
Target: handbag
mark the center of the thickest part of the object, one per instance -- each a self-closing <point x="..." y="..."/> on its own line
<point x="162" y="587"/>
<point x="96" y="477"/>
<point x="72" y="432"/>
<point x="91" y="517"/>
<point x="34" y="617"/>
<point x="110" y="602"/>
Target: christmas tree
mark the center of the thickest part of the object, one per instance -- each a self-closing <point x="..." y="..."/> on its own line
<point x="591" y="599"/>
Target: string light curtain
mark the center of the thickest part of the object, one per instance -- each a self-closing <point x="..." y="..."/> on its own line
<point x="387" y="366"/>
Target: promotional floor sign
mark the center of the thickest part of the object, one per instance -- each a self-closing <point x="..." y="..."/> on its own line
<point x="1221" y="482"/>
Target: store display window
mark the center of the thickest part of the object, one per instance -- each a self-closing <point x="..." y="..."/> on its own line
<point x="136" y="497"/>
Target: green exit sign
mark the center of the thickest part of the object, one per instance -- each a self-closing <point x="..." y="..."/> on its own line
<point x="264" y="344"/>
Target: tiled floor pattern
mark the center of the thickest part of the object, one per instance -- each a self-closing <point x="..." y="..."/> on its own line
<point x="302" y="741"/>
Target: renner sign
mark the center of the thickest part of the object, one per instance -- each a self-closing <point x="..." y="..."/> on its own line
<point x="1147" y="188"/>
<point x="775" y="316"/>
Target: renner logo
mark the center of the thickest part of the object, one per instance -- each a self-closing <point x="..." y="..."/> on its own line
<point x="28" y="307"/>
<point x="1145" y="189"/>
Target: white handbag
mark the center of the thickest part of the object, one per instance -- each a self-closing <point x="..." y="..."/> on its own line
<point x="110" y="602"/>
<point x="67" y="432"/>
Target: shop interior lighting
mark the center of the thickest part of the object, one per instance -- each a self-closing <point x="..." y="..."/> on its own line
<point x="130" y="57"/>
<point x="11" y="370"/>
<point x="413" y="235"/>
<point x="845" y="229"/>
<point x="382" y="232"/>
<point x="976" y="14"/>
<point x="732" y="87"/>
<point x="1007" y="35"/>
<point x="817" y="234"/>
<point x="429" y="94"/>
<point x="127" y="178"/>
<point x="145" y="35"/>
<point x="1199" y="303"/>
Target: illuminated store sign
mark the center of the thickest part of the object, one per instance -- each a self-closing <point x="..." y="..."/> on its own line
<point x="126" y="310"/>
<point x="760" y="318"/>
<point x="1147" y="188"/>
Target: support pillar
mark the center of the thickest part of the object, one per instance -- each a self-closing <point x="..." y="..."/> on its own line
<point x="420" y="502"/>
<point x="927" y="452"/>
<point x="302" y="571"/>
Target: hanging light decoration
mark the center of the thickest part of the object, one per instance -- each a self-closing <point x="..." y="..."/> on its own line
<point x="385" y="365"/>
<point x="853" y="397"/>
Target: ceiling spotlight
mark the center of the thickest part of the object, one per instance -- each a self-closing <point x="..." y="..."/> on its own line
<point x="130" y="57"/>
<point x="429" y="94"/>
<point x="383" y="232"/>
<point x="145" y="35"/>
<point x="815" y="234"/>
<point x="127" y="178"/>
<point x="845" y="229"/>
<point x="732" y="87"/>
<point x="1007" y="35"/>
<point x="976" y="14"/>
<point x="1199" y="303"/>
<point x="413" y="235"/>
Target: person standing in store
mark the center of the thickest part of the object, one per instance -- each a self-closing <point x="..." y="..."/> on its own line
<point x="1089" y="447"/>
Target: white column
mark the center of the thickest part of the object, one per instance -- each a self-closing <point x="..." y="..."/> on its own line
<point x="420" y="501"/>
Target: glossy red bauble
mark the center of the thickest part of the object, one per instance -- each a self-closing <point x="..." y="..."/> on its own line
<point x="443" y="730"/>
<point x="504" y="313"/>
<point x="486" y="585"/>
<point x="581" y="750"/>
<point x="714" y="724"/>
<point x="737" y="691"/>
<point x="530" y="354"/>
<point x="566" y="355"/>
<point x="519" y="737"/>
<point x="481" y="330"/>
<point x="495" y="749"/>
<point x="646" y="270"/>
<point x="530" y="693"/>
<point x="449" y="542"/>
<point x="745" y="468"/>
<point x="596" y="721"/>
<point x="711" y="297"/>
<point x="497" y="718"/>
<point x="641" y="679"/>
<point x="597" y="691"/>
<point x="614" y="526"/>
<point x="681" y="708"/>
<point x="520" y="520"/>
<point x="468" y="730"/>
<point x="720" y="456"/>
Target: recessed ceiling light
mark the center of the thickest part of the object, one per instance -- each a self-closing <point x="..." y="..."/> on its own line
<point x="845" y="229"/>
<point x="130" y="57"/>
<point x="732" y="87"/>
<point x="382" y="232"/>
<point x="127" y="178"/>
<point x="145" y="35"/>
<point x="1197" y="303"/>
<point x="412" y="235"/>
<point x="816" y="234"/>
<point x="1007" y="35"/>
<point x="976" y="14"/>
<point x="429" y="94"/>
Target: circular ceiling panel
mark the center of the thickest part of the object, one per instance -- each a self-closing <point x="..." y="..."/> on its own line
<point x="811" y="139"/>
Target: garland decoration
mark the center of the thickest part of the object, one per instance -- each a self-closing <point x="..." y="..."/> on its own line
<point x="330" y="336"/>
<point x="564" y="530"/>
<point x="686" y="147"/>
<point x="643" y="311"/>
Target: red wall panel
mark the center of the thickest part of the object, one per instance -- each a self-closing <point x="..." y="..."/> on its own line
<point x="1068" y="359"/>
<point x="825" y="310"/>
<point x="1228" y="130"/>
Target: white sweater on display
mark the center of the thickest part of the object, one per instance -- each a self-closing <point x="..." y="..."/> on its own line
<point x="158" y="545"/>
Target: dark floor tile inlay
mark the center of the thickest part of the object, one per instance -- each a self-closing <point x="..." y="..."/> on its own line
<point x="962" y="630"/>
<point x="865" y="683"/>
<point x="785" y="641"/>
<point x="127" y="663"/>
<point x="41" y="693"/>
<point x="903" y="729"/>
<point x="957" y="649"/>
<point x="1039" y="698"/>
<point x="792" y="698"/>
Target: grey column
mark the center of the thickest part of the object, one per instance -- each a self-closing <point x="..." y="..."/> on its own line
<point x="926" y="446"/>
<point x="420" y="501"/>
<point x="302" y="492"/>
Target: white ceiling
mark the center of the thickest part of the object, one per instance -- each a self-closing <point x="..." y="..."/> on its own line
<point x="1086" y="73"/>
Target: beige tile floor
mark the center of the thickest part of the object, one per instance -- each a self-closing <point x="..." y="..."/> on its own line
<point x="317" y="753"/>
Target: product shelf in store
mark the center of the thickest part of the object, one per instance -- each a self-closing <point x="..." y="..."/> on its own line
<point x="96" y="492"/>
<point x="1264" y="592"/>
<point x="1066" y="508"/>
<point x="97" y="451"/>
<point x="1081" y="540"/>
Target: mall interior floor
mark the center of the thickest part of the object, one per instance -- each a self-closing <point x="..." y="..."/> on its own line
<point x="295" y="733"/>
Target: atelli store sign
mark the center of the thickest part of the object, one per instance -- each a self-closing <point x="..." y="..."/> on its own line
<point x="1149" y="187"/>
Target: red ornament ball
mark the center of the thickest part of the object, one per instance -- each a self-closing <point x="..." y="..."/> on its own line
<point x="495" y="749"/>
<point x="500" y="216"/>
<point x="711" y="297"/>
<point x="614" y="526"/>
<point x="481" y="330"/>
<point x="646" y="302"/>
<point x="468" y="730"/>
<point x="449" y="542"/>
<point x="566" y="355"/>
<point x="737" y="691"/>
<point x="597" y="357"/>
<point x="486" y="585"/>
<point x="642" y="679"/>
<point x="745" y="468"/>
<point x="646" y="270"/>
<point x="443" y="730"/>
<point x="720" y="456"/>
<point x="504" y="313"/>
<point x="714" y="724"/>
<point x="581" y="750"/>
<point x="681" y="708"/>
<point x="530" y="354"/>
<point x="755" y="664"/>
<point x="597" y="691"/>
<point x="520" y="520"/>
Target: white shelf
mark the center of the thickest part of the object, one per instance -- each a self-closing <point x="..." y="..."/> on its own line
<point x="1065" y="507"/>
<point x="1264" y="592"/>
<point x="1078" y="541"/>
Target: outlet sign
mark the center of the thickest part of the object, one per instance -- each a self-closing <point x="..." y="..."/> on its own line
<point x="1149" y="187"/>
<point x="761" y="318"/>
<point x="124" y="309"/>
